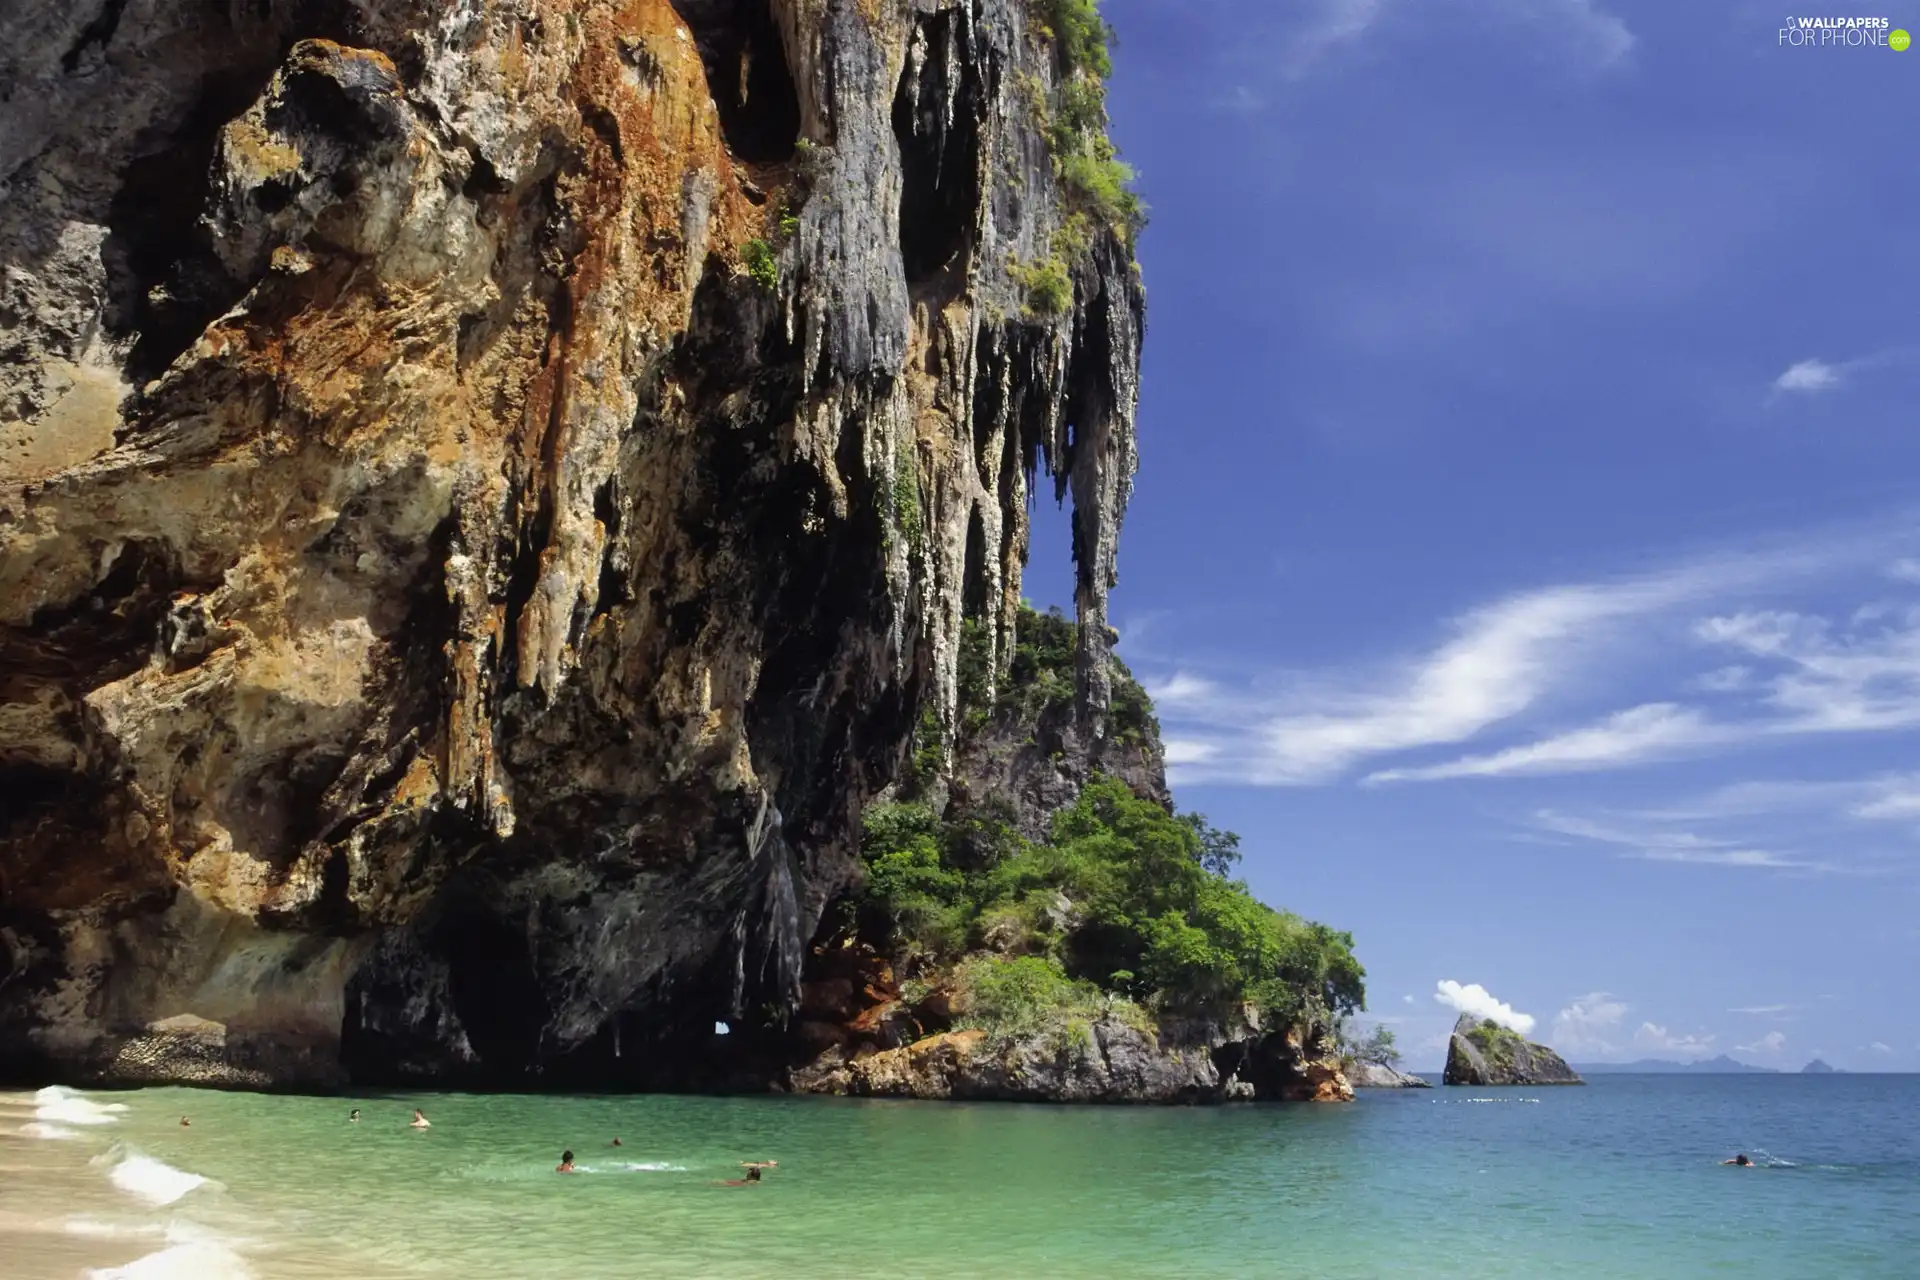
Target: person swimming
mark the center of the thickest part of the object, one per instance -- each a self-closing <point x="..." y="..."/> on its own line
<point x="566" y="1163"/>
<point x="420" y="1120"/>
<point x="1740" y="1160"/>
<point x="185" y="1123"/>
<point x="751" y="1180"/>
<point x="353" y="1116"/>
<point x="616" y="1142"/>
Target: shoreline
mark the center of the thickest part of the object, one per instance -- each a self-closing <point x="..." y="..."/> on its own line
<point x="50" y="1181"/>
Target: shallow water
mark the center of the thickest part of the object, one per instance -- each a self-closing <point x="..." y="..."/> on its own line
<point x="1615" y="1180"/>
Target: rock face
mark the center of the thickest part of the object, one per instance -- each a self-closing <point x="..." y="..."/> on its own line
<point x="1113" y="1063"/>
<point x="487" y="492"/>
<point x="1375" y="1075"/>
<point x="1486" y="1053"/>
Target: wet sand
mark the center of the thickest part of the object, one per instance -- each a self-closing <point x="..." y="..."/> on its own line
<point x="51" y="1194"/>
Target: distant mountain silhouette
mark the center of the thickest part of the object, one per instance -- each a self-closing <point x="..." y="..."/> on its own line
<point x="1722" y="1065"/>
<point x="1819" y="1068"/>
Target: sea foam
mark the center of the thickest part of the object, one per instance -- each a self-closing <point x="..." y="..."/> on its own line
<point x="198" y="1260"/>
<point x="154" y="1181"/>
<point x="37" y="1129"/>
<point x="59" y="1105"/>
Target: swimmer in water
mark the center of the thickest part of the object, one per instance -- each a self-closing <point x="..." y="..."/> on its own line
<point x="751" y="1180"/>
<point x="1740" y="1160"/>
<point x="420" y="1120"/>
<point x="353" y="1116"/>
<point x="566" y="1163"/>
<point x="616" y="1142"/>
<point x="185" y="1123"/>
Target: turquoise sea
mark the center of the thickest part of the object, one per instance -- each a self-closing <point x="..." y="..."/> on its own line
<point x="1617" y="1179"/>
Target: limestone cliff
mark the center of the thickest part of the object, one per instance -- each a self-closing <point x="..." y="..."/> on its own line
<point x="1482" y="1052"/>
<point x="487" y="490"/>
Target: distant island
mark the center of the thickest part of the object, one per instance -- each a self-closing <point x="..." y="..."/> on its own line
<point x="1721" y="1066"/>
<point x="1819" y="1068"/>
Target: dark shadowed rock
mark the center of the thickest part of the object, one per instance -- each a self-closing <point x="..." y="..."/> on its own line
<point x="1482" y="1052"/>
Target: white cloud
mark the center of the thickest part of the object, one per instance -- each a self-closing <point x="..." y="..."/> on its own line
<point x="1587" y="1021"/>
<point x="1407" y="999"/>
<point x="1770" y="675"/>
<point x="1809" y="376"/>
<point x="1813" y="376"/>
<point x="1181" y="751"/>
<point x="1652" y="1036"/>
<point x="1636" y="734"/>
<point x="1502" y="659"/>
<point x="1762" y="1009"/>
<point x="1651" y="843"/>
<point x="1879" y="1047"/>
<point x="1863" y="677"/>
<point x="1770" y="1043"/>
<point x="1181" y="687"/>
<point x="1588" y="31"/>
<point x="1477" y="1000"/>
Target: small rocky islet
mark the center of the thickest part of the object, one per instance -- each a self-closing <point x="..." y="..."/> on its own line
<point x="1483" y="1052"/>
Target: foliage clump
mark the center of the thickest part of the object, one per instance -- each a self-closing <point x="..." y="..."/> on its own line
<point x="761" y="264"/>
<point x="1118" y="902"/>
<point x="1047" y="284"/>
<point x="1499" y="1045"/>
<point x="1074" y="117"/>
<point x="1377" y="1046"/>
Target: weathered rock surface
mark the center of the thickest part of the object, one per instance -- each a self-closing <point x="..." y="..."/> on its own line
<point x="1113" y="1062"/>
<point x="1486" y="1053"/>
<point x="1376" y="1075"/>
<point x="451" y="611"/>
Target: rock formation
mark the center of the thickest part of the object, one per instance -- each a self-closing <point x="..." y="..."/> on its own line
<point x="1482" y="1052"/>
<point x="1018" y="758"/>
<point x="1377" y="1075"/>
<point x="487" y="491"/>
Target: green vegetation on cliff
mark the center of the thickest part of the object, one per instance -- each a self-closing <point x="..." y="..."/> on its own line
<point x="1124" y="907"/>
<point x="1074" y="117"/>
<point x="1499" y="1045"/>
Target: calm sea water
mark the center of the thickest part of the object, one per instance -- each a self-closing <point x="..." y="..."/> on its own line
<point x="1618" y="1179"/>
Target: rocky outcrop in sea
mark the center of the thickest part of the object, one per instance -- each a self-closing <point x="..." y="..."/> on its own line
<point x="1377" y="1075"/>
<point x="1482" y="1052"/>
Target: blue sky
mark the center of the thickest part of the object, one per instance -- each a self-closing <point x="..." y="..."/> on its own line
<point x="1526" y="549"/>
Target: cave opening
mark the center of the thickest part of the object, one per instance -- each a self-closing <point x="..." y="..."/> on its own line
<point x="494" y="989"/>
<point x="973" y="591"/>
<point x="747" y="74"/>
<point x="937" y="124"/>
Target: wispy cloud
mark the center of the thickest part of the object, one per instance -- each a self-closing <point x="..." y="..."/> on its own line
<point x="1654" y="843"/>
<point x="1588" y="32"/>
<point x="1588" y="1023"/>
<point x="1762" y="1009"/>
<point x="1475" y="999"/>
<point x="1500" y="661"/>
<point x="1771" y="1043"/>
<point x="1810" y="376"/>
<point x="1660" y="1039"/>
<point x="1815" y="376"/>
<point x="1634" y="735"/>
<point x="1334" y="23"/>
<point x="1758" y="675"/>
